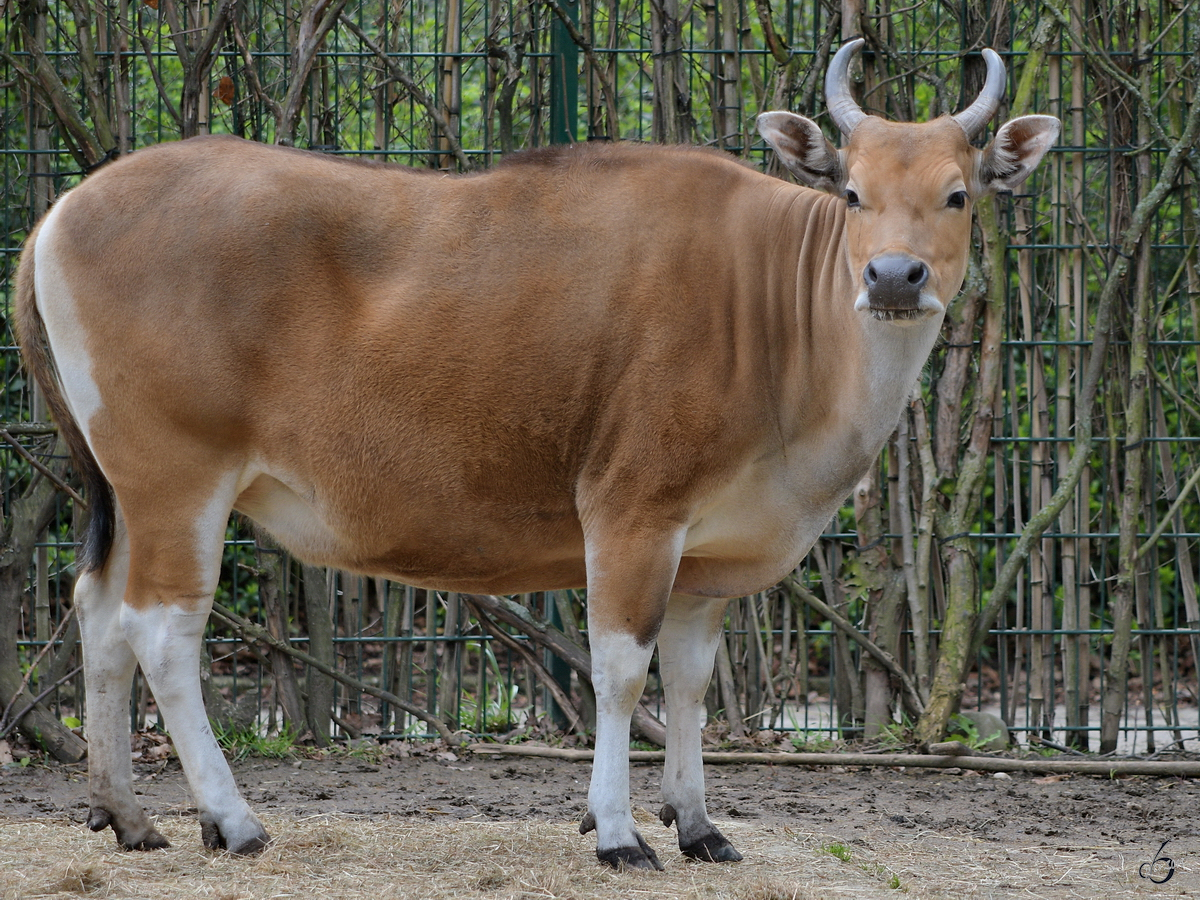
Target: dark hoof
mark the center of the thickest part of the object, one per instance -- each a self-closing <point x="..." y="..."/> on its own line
<point x="211" y="835"/>
<point x="152" y="841"/>
<point x="98" y="819"/>
<point x="713" y="847"/>
<point x="625" y="858"/>
<point x="588" y="823"/>
<point x="258" y="844"/>
<point x="143" y="839"/>
<point x="667" y="814"/>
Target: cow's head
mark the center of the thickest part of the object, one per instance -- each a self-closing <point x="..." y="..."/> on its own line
<point x="909" y="187"/>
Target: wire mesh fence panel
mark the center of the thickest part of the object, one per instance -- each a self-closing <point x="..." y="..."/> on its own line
<point x="1040" y="494"/>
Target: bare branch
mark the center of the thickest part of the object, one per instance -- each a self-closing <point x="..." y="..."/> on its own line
<point x="560" y="696"/>
<point x="251" y="632"/>
<point x="911" y="695"/>
<point x="316" y="20"/>
<point x="45" y="78"/>
<point x="252" y="74"/>
<point x="397" y="74"/>
<point x="644" y="724"/>
<point x="1104" y="768"/>
<point x="33" y="461"/>
<point x="588" y="53"/>
<point x="148" y="50"/>
<point x="1143" y="214"/>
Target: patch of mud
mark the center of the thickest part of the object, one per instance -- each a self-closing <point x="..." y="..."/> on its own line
<point x="911" y="821"/>
<point x="1023" y="808"/>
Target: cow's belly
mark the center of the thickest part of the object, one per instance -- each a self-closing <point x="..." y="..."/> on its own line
<point x="745" y="538"/>
<point x="434" y="549"/>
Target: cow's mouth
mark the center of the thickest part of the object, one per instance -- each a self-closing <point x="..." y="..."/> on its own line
<point x="885" y="314"/>
<point x="926" y="305"/>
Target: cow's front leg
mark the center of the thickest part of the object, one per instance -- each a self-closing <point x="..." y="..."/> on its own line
<point x="629" y="581"/>
<point x="619" y="664"/>
<point x="687" y="646"/>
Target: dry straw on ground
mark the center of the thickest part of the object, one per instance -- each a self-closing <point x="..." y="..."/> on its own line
<point x="384" y="858"/>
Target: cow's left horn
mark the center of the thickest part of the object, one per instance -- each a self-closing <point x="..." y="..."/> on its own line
<point x="975" y="117"/>
<point x="846" y="114"/>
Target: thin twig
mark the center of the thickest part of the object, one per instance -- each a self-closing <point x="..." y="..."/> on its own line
<point x="256" y="85"/>
<point x="54" y="479"/>
<point x="16" y="720"/>
<point x="588" y="54"/>
<point x="1192" y="481"/>
<point x="643" y="723"/>
<point x="885" y="659"/>
<point x="33" y="668"/>
<point x="253" y="632"/>
<point x="524" y="652"/>
<point x="31" y="429"/>
<point x="1054" y="745"/>
<point x="398" y="74"/>
<point x="159" y="84"/>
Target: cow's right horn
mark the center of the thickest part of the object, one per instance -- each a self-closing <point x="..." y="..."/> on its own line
<point x="975" y="117"/>
<point x="846" y="114"/>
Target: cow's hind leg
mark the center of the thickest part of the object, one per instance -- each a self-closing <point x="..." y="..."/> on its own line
<point x="174" y="567"/>
<point x="687" y="646"/>
<point x="108" y="667"/>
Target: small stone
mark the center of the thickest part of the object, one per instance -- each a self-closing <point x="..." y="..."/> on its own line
<point x="1002" y="776"/>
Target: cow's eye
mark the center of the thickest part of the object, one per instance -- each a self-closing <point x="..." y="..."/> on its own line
<point x="851" y="198"/>
<point x="957" y="200"/>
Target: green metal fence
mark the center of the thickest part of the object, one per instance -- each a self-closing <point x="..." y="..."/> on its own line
<point x="454" y="85"/>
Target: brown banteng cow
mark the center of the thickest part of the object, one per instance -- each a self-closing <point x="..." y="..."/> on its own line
<point x="650" y="371"/>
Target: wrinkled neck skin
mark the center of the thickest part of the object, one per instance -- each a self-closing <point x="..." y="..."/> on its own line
<point x="846" y="374"/>
<point x="836" y="378"/>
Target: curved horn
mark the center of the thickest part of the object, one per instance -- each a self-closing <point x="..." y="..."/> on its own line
<point x="845" y="113"/>
<point x="975" y="117"/>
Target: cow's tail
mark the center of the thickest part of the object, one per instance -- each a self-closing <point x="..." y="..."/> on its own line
<point x="39" y="361"/>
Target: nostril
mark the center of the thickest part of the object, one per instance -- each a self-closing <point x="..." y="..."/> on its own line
<point x="895" y="281"/>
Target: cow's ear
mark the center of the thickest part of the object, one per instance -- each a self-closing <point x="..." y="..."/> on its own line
<point x="1016" y="150"/>
<point x="802" y="147"/>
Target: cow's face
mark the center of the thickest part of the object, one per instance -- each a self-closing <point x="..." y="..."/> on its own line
<point x="909" y="188"/>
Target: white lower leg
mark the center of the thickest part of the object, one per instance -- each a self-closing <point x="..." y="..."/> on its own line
<point x="619" y="667"/>
<point x="109" y="665"/>
<point x="687" y="645"/>
<point x="167" y="642"/>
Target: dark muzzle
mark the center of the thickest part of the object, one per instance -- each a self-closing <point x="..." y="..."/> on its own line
<point x="894" y="283"/>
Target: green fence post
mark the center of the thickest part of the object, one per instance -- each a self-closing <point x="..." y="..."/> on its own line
<point x="564" y="129"/>
<point x="564" y="78"/>
<point x="560" y="669"/>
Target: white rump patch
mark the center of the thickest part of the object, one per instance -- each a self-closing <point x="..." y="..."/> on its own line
<point x="65" y="330"/>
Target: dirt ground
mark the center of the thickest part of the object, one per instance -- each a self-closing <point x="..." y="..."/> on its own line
<point x="805" y="832"/>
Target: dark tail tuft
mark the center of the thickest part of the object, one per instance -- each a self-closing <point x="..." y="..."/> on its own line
<point x="31" y="335"/>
